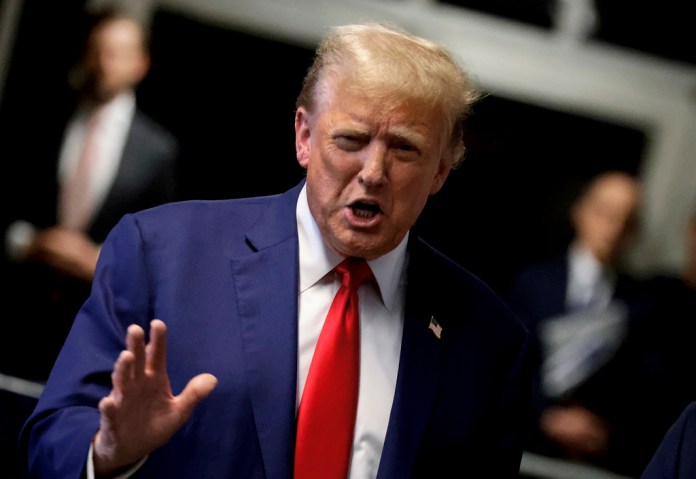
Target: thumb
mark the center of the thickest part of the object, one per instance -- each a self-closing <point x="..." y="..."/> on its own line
<point x="197" y="389"/>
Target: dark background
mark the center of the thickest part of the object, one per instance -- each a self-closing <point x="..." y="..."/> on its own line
<point x="662" y="29"/>
<point x="229" y="97"/>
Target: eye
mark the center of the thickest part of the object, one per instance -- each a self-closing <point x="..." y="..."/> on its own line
<point x="349" y="142"/>
<point x="405" y="148"/>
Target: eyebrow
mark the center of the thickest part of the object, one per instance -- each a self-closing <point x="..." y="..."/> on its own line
<point x="408" y="135"/>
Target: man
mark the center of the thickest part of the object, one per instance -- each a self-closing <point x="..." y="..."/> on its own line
<point x="581" y="308"/>
<point x="108" y="160"/>
<point x="241" y="290"/>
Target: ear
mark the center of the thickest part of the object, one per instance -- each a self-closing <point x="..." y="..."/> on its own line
<point x="302" y="136"/>
<point x="142" y="67"/>
<point x="441" y="175"/>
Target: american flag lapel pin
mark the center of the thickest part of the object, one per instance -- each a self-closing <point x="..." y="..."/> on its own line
<point x="435" y="327"/>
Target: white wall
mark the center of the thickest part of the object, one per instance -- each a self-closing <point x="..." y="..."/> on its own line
<point x="10" y="11"/>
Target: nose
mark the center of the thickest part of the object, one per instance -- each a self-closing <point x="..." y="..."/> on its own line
<point x="374" y="168"/>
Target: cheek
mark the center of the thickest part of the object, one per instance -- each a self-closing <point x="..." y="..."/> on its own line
<point x="325" y="183"/>
<point x="335" y="166"/>
<point x="412" y="195"/>
<point x="417" y="182"/>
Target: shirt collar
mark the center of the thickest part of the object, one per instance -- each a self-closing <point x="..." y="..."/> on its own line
<point x="117" y="111"/>
<point x="317" y="259"/>
<point x="584" y="267"/>
<point x="120" y="109"/>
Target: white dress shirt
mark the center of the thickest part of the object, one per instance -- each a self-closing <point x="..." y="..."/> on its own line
<point x="381" y="325"/>
<point x="589" y="283"/>
<point x="114" y="120"/>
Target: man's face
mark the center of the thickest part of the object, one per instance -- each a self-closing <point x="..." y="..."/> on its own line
<point x="370" y="168"/>
<point x="605" y="218"/>
<point x="115" y="59"/>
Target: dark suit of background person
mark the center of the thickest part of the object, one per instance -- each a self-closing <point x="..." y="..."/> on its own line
<point x="224" y="276"/>
<point x="585" y="421"/>
<point x="675" y="458"/>
<point x="50" y="270"/>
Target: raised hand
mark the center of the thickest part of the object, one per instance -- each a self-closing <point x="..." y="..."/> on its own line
<point x="140" y="413"/>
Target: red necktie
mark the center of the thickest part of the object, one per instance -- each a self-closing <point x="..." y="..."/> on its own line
<point x="326" y="419"/>
<point x="76" y="201"/>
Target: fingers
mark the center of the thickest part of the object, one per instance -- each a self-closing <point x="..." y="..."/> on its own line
<point x="157" y="348"/>
<point x="139" y="361"/>
<point x="135" y="342"/>
<point x="130" y="365"/>
<point x="122" y="374"/>
<point x="152" y="356"/>
<point x="107" y="406"/>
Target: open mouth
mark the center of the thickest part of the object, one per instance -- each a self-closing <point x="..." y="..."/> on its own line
<point x="365" y="210"/>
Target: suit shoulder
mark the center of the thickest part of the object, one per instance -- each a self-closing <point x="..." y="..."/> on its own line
<point x="239" y="212"/>
<point x="158" y="134"/>
<point x="458" y="283"/>
<point x="466" y="306"/>
<point x="442" y="266"/>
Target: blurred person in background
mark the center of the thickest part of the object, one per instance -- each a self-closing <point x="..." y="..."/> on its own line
<point x="581" y="308"/>
<point x="79" y="178"/>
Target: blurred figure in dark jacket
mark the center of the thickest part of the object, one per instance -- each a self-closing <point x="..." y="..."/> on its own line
<point x="582" y="308"/>
<point x="79" y="177"/>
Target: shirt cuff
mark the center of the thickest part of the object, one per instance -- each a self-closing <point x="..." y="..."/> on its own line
<point x="129" y="472"/>
<point x="18" y="237"/>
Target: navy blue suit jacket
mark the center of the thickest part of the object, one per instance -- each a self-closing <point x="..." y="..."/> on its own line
<point x="223" y="275"/>
<point x="675" y="458"/>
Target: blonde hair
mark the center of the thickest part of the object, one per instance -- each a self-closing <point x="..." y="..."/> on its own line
<point x="387" y="63"/>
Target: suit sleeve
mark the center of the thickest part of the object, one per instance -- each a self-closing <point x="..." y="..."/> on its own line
<point x="674" y="458"/>
<point x="55" y="439"/>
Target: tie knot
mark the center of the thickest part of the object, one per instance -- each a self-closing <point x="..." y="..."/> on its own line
<point x="354" y="272"/>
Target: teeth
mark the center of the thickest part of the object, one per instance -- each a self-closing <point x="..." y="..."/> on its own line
<point x="365" y="210"/>
<point x="360" y="213"/>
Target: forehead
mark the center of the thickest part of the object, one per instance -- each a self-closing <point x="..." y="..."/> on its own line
<point x="117" y="31"/>
<point x="614" y="190"/>
<point x="345" y="104"/>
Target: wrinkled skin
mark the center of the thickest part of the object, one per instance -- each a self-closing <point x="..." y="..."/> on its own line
<point x="370" y="169"/>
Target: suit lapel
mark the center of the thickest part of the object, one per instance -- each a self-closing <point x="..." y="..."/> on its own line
<point x="266" y="284"/>
<point x="421" y="354"/>
<point x="134" y="164"/>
